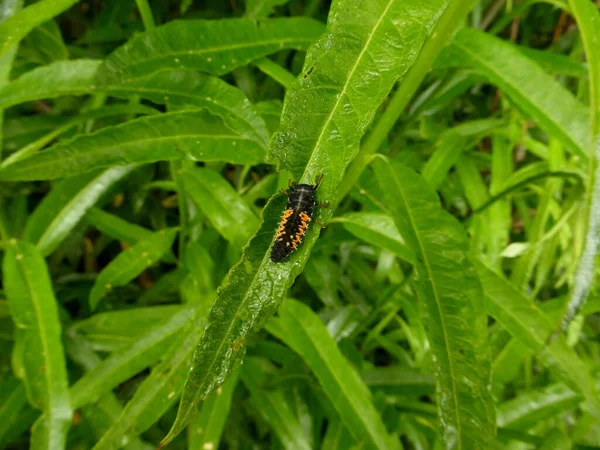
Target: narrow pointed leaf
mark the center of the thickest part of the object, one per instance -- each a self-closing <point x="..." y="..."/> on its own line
<point x="130" y="263"/>
<point x="56" y="79"/>
<point x="455" y="320"/>
<point x="121" y="366"/>
<point x="212" y="46"/>
<point x="195" y="134"/>
<point x="160" y="390"/>
<point x="302" y="330"/>
<point x="62" y="209"/>
<point x="361" y="37"/>
<point x="532" y="90"/>
<point x="525" y="321"/>
<point x="35" y="313"/>
<point x="18" y="26"/>
<point x="223" y="206"/>
<point x="181" y="88"/>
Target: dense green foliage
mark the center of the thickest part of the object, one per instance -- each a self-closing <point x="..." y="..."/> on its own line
<point x="448" y="303"/>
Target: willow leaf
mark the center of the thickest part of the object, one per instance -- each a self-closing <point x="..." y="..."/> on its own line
<point x="212" y="46"/>
<point x="346" y="76"/>
<point x="184" y="88"/>
<point x="455" y="320"/>
<point x="195" y="134"/>
<point x="35" y="313"/>
<point x="221" y="204"/>
<point x="532" y="90"/>
<point x="19" y="25"/>
<point x="302" y="330"/>
<point x="62" y="209"/>
<point x="56" y="79"/>
<point x="130" y="263"/>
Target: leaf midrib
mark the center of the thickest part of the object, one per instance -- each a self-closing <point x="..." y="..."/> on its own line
<point x="437" y="303"/>
<point x="344" y="89"/>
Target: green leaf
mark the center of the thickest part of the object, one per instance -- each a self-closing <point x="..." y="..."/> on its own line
<point x="121" y="366"/>
<point x="195" y="134"/>
<point x="56" y="79"/>
<point x="212" y="46"/>
<point x="159" y="390"/>
<point x="377" y="229"/>
<point x="455" y="321"/>
<point x="533" y="91"/>
<point x="65" y="205"/>
<point x="35" y="313"/>
<point x="341" y="69"/>
<point x="522" y="319"/>
<point x="130" y="263"/>
<point x="19" y="25"/>
<point x="221" y="204"/>
<point x="302" y="330"/>
<point x="366" y="50"/>
<point x="184" y="88"/>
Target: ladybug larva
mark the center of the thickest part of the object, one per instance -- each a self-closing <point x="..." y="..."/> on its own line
<point x="295" y="219"/>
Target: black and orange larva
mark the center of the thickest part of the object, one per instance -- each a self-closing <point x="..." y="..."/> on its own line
<point x="295" y="219"/>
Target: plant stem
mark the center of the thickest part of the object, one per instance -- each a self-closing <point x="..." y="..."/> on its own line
<point x="146" y="13"/>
